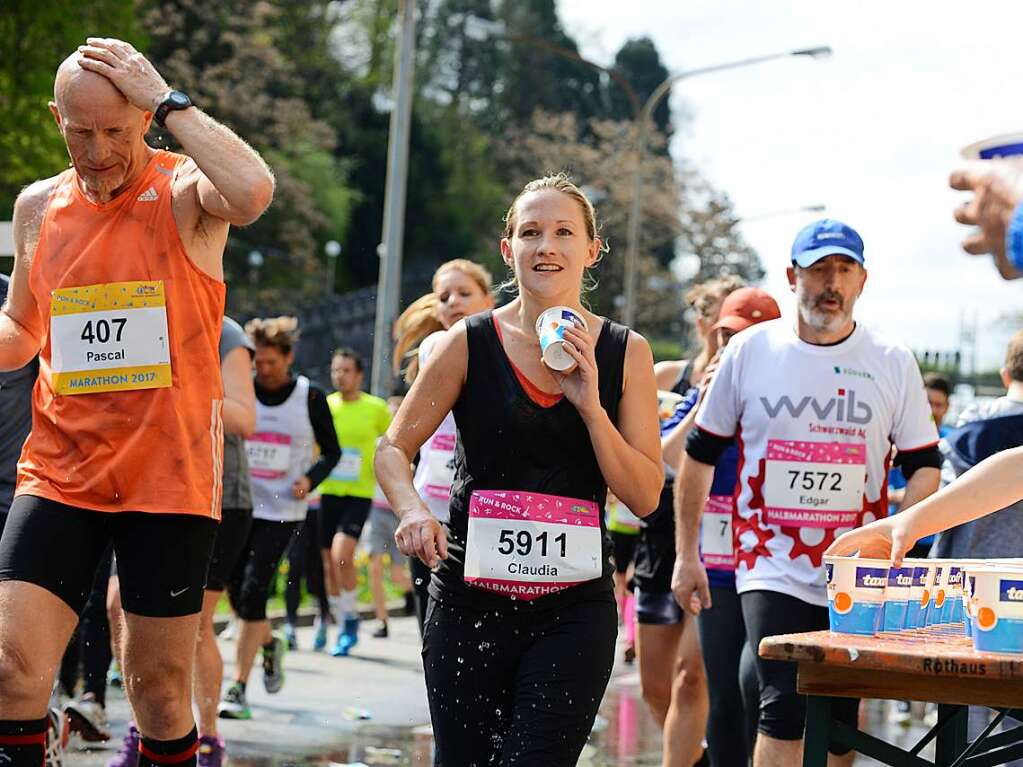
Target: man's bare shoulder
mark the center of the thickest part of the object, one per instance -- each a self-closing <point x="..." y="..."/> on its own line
<point x="29" y="208"/>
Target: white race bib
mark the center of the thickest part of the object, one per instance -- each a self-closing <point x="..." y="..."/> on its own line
<point x="716" y="543"/>
<point x="349" y="468"/>
<point x="814" y="484"/>
<point x="269" y="455"/>
<point x="440" y="467"/>
<point x="109" y="337"/>
<point x="526" y="545"/>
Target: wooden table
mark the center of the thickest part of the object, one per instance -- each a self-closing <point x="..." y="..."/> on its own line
<point x="928" y="665"/>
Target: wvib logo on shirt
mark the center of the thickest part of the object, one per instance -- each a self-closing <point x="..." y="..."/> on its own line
<point x="1010" y="591"/>
<point x="844" y="407"/>
<point x="871" y="577"/>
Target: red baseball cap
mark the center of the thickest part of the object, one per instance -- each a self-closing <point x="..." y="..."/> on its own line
<point x="746" y="307"/>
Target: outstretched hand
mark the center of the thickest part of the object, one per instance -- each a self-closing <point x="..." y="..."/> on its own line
<point x="884" y="539"/>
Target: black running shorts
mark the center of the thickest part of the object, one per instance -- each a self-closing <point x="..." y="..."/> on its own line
<point x="342" y="514"/>
<point x="162" y="559"/>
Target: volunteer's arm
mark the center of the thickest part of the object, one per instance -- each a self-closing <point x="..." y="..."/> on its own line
<point x="20" y="323"/>
<point x="239" y="392"/>
<point x="629" y="452"/>
<point x="992" y="484"/>
<point x="428" y="402"/>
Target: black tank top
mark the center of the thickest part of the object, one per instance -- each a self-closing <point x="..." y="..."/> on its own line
<point x="508" y="442"/>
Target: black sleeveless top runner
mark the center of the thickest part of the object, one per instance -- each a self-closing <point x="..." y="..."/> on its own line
<point x="508" y="442"/>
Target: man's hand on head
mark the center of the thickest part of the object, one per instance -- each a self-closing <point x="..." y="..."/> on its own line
<point x="130" y="71"/>
<point x="997" y="187"/>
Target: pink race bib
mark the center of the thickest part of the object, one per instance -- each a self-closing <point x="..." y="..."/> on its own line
<point x="527" y="545"/>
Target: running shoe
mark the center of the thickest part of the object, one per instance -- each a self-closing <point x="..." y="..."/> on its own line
<point x="88" y="718"/>
<point x="230" y="630"/>
<point x="320" y="637"/>
<point x="273" y="664"/>
<point x="211" y="752"/>
<point x="128" y="754"/>
<point x="347" y="639"/>
<point x="381" y="632"/>
<point x="114" y="678"/>
<point x="57" y="736"/>
<point x="291" y="635"/>
<point x="233" y="706"/>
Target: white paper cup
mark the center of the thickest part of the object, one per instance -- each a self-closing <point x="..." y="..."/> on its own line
<point x="855" y="593"/>
<point x="998" y="601"/>
<point x="996" y="147"/>
<point x="667" y="401"/>
<point x="550" y="328"/>
<point x="921" y="592"/>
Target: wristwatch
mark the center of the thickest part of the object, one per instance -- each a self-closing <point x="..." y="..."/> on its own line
<point x="173" y="101"/>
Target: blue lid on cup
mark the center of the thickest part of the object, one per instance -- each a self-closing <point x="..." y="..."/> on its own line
<point x="826" y="237"/>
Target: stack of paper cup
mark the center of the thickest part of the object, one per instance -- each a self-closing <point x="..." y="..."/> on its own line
<point x="936" y="609"/>
<point x="855" y="593"/>
<point x="921" y="592"/>
<point x="550" y="328"/>
<point x="896" y="598"/>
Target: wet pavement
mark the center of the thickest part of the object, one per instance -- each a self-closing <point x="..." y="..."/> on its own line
<point x="371" y="709"/>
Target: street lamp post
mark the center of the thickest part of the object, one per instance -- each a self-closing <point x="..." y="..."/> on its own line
<point x="389" y="283"/>
<point x="642" y="122"/>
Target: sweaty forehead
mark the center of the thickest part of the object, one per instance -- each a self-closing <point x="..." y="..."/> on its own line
<point x="548" y="205"/>
<point x="84" y="95"/>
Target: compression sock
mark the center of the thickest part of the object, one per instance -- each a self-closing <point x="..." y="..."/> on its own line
<point x="335" y="608"/>
<point x="347" y="605"/>
<point x="23" y="743"/>
<point x="169" y="753"/>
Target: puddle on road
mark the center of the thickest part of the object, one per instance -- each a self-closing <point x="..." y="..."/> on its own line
<point x="624" y="735"/>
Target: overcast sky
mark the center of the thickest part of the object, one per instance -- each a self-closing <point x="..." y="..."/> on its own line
<point x="871" y="132"/>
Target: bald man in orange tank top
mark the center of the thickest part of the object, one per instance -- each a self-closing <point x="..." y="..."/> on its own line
<point x="118" y="287"/>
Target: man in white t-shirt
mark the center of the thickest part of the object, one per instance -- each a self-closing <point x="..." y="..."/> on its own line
<point x="815" y="409"/>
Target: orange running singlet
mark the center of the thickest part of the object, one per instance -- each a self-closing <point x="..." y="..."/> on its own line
<point x="126" y="412"/>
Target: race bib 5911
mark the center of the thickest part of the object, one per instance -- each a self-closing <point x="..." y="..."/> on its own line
<point x="109" y="337"/>
<point x="526" y="545"/>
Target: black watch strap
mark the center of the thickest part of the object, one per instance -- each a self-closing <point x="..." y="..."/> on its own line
<point x="172" y="102"/>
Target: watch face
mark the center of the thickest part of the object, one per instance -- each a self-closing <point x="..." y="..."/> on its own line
<point x="177" y="98"/>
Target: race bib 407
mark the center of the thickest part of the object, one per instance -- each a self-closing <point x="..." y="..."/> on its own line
<point x="109" y="337"/>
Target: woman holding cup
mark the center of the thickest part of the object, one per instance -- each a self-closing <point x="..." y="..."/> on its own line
<point x="521" y="625"/>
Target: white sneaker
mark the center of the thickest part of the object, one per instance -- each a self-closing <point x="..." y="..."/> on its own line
<point x="230" y="631"/>
<point x="89" y="719"/>
<point x="57" y="736"/>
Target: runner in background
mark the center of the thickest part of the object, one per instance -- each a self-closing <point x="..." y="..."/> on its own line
<point x="671" y="666"/>
<point x="360" y="419"/>
<point x="815" y="409"/>
<point x="727" y="656"/>
<point x="305" y="563"/>
<point x="623" y="527"/>
<point x="461" y="288"/>
<point x="522" y="620"/>
<point x="291" y="417"/>
<point x="236" y="354"/>
<point x="379" y="542"/>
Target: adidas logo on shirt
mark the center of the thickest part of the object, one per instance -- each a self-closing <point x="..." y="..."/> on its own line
<point x="149" y="195"/>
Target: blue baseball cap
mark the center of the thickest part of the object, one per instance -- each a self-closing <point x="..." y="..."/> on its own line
<point x="826" y="237"/>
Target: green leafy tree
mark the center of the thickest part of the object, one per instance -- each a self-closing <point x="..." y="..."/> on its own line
<point x="35" y="37"/>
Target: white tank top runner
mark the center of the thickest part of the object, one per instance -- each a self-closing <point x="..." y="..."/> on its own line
<point x="280" y="452"/>
<point x="436" y="468"/>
